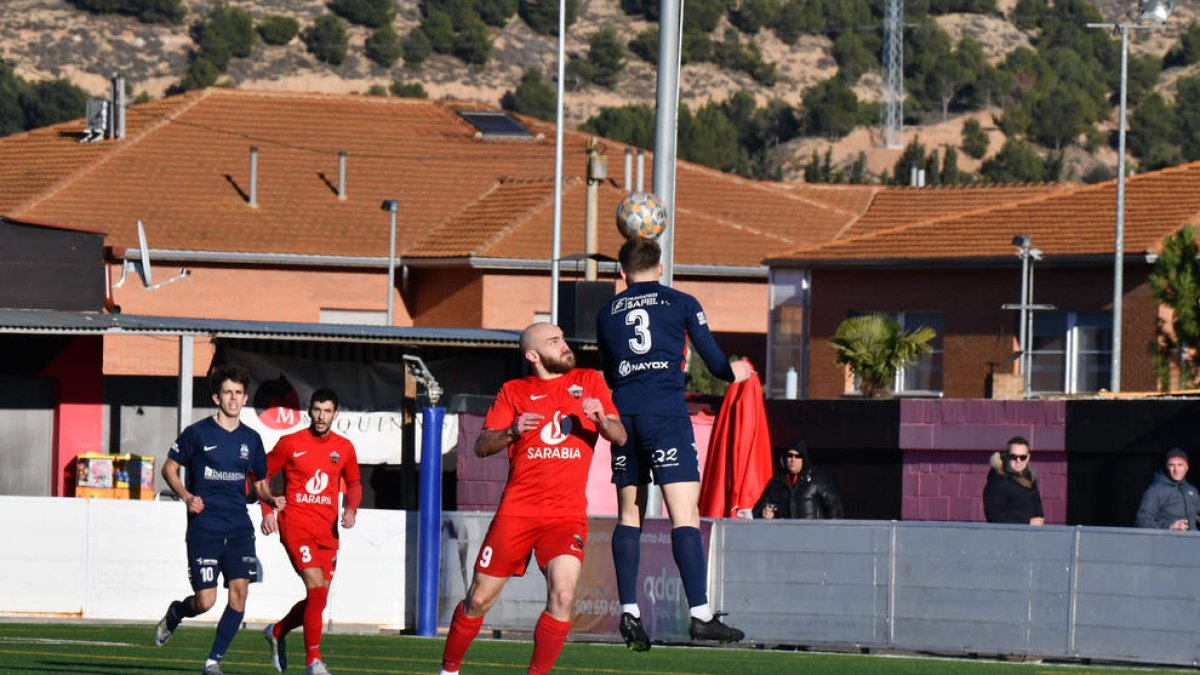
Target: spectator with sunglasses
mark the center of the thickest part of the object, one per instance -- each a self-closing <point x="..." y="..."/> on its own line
<point x="1171" y="502"/>
<point x="1011" y="494"/>
<point x="799" y="490"/>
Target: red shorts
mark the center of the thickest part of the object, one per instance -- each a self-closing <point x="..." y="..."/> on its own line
<point x="305" y="552"/>
<point x="510" y="540"/>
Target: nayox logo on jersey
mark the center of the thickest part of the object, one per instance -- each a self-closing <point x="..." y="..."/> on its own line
<point x="625" y="369"/>
<point x="315" y="486"/>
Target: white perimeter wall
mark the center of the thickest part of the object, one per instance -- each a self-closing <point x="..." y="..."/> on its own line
<point x="126" y="560"/>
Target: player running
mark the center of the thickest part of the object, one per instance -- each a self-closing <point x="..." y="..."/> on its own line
<point x="314" y="463"/>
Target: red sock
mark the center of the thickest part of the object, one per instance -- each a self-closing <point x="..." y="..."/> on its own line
<point x="548" y="640"/>
<point x="293" y="620"/>
<point x="314" y="608"/>
<point x="463" y="630"/>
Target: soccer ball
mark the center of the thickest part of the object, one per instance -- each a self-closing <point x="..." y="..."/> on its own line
<point x="641" y="214"/>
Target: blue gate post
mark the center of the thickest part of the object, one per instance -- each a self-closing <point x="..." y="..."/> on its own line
<point x="429" y="520"/>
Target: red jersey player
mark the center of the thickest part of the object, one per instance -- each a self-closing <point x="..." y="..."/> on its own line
<point x="549" y="423"/>
<point x="314" y="462"/>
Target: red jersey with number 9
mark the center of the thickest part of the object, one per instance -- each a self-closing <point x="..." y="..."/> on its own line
<point x="548" y="467"/>
<point x="314" y="468"/>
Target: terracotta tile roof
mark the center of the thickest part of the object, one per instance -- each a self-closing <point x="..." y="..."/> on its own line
<point x="1076" y="221"/>
<point x="184" y="169"/>
<point x="524" y="210"/>
<point x="850" y="198"/>
<point x="896" y="206"/>
<point x="791" y="217"/>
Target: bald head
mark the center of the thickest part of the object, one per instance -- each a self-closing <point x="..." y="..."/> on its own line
<point x="535" y="333"/>
<point x="546" y="350"/>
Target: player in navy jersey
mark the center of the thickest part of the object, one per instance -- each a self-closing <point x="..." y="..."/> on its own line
<point x="642" y="334"/>
<point x="221" y="456"/>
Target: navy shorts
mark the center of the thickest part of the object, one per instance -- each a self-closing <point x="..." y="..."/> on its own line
<point x="232" y="558"/>
<point x="662" y="444"/>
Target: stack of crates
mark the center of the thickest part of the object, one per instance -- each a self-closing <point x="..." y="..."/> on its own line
<point x="105" y="476"/>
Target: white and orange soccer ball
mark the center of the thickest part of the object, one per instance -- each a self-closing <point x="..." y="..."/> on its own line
<point x="641" y="214"/>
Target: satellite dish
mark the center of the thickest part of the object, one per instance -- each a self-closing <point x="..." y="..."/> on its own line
<point x="145" y="251"/>
<point x="143" y="266"/>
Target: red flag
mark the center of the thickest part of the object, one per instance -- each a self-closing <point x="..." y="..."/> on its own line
<point x="739" y="453"/>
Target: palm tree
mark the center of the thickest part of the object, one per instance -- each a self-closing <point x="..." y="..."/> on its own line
<point x="875" y="346"/>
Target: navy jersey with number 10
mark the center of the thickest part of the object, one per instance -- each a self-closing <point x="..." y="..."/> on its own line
<point x="642" y="333"/>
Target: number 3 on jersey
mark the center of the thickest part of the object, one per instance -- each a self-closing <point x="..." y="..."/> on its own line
<point x="640" y="320"/>
<point x="305" y="554"/>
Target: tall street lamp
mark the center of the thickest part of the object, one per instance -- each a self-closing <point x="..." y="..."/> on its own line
<point x="1028" y="255"/>
<point x="1156" y="11"/>
<point x="392" y="206"/>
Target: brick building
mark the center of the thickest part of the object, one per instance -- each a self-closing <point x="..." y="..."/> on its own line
<point x="954" y="270"/>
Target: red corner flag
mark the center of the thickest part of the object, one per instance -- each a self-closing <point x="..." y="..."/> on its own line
<point x="739" y="453"/>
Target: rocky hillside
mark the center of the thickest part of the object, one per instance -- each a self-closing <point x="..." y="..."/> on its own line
<point x="50" y="39"/>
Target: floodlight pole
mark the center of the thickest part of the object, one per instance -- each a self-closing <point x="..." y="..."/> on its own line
<point x="1158" y="11"/>
<point x="665" y="123"/>
<point x="1114" y="382"/>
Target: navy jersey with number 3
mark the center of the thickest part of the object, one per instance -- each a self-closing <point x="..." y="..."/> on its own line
<point x="642" y="333"/>
<point x="218" y="464"/>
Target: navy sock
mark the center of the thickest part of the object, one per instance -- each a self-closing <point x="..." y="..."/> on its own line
<point x="227" y="628"/>
<point x="689" y="557"/>
<point x="184" y="609"/>
<point x="627" y="551"/>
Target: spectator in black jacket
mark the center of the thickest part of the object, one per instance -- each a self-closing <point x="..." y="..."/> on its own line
<point x="1171" y="502"/>
<point x="800" y="490"/>
<point x="1011" y="494"/>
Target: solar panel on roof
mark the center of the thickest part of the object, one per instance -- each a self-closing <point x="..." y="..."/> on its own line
<point x="495" y="124"/>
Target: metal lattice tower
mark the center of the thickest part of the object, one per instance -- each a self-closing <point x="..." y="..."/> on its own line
<point x="893" y="75"/>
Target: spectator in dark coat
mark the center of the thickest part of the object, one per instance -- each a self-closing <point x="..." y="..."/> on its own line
<point x="799" y="490"/>
<point x="1170" y="503"/>
<point x="1011" y="494"/>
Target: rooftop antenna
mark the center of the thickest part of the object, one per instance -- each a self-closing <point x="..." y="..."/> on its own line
<point x="142" y="267"/>
<point x="96" y="115"/>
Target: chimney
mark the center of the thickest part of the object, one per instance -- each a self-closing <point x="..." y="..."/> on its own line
<point x="342" y="175"/>
<point x="641" y="183"/>
<point x="116" y="121"/>
<point x="628" y="169"/>
<point x="254" y="176"/>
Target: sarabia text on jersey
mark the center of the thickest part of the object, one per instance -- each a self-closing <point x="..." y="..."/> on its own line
<point x="548" y="467"/>
<point x="218" y="465"/>
<point x="314" y="467"/>
<point x="642" y="333"/>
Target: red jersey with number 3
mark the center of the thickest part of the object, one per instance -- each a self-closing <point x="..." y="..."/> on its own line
<point x="314" y="468"/>
<point x="548" y="467"/>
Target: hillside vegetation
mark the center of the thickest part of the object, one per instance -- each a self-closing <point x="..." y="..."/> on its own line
<point x="996" y="90"/>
